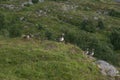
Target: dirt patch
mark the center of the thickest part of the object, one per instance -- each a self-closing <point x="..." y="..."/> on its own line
<point x="74" y="50"/>
<point x="50" y="46"/>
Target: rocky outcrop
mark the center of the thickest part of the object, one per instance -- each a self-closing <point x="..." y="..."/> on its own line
<point x="117" y="0"/>
<point x="107" y="69"/>
<point x="29" y="2"/>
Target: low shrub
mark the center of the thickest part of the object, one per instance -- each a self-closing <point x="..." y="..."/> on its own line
<point x="114" y="13"/>
<point x="15" y="31"/>
<point x="115" y="38"/>
<point x="88" y="26"/>
<point x="2" y="21"/>
<point x="35" y="1"/>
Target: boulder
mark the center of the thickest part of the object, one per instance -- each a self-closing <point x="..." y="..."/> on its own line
<point x="117" y="0"/>
<point x="26" y="3"/>
<point x="106" y="68"/>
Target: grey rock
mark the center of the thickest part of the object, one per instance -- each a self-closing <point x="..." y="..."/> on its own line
<point x="105" y="12"/>
<point x="41" y="0"/>
<point x="26" y="3"/>
<point x="99" y="12"/>
<point x="8" y="6"/>
<point x="68" y="7"/>
<point x="96" y="18"/>
<point x="117" y="0"/>
<point x="22" y="18"/>
<point x="106" y="68"/>
<point x="41" y="12"/>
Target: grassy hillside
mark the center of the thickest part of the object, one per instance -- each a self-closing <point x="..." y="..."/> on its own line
<point x="86" y="24"/>
<point x="35" y="60"/>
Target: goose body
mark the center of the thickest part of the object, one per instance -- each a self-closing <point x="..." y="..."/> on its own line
<point x="92" y="52"/>
<point x="87" y="51"/>
<point x="61" y="39"/>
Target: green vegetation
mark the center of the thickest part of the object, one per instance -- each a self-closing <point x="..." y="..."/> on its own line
<point x="2" y="21"/>
<point x="86" y="24"/>
<point x="35" y="60"/>
<point x="115" y="38"/>
<point x="35" y="1"/>
<point x="114" y="13"/>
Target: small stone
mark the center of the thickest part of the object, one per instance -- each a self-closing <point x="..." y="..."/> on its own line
<point x="96" y="18"/>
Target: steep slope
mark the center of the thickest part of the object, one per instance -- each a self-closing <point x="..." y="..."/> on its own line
<point x="35" y="60"/>
<point x="86" y="24"/>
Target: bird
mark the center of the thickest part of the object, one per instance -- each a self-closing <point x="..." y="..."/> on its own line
<point x="26" y="37"/>
<point x="87" y="51"/>
<point x="92" y="52"/>
<point x="61" y="39"/>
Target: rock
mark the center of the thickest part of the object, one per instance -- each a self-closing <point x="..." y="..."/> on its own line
<point x="117" y="0"/>
<point x="102" y="12"/>
<point x="41" y="13"/>
<point x="105" y="12"/>
<point x="95" y="18"/>
<point x="22" y="18"/>
<point x="67" y="7"/>
<point x="41" y="0"/>
<point x="26" y="3"/>
<point x="85" y="18"/>
<point x="87" y="8"/>
<point x="25" y="27"/>
<point x="8" y="6"/>
<point x="106" y="68"/>
<point x="99" y="12"/>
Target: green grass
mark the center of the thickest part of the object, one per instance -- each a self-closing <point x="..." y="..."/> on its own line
<point x="35" y="60"/>
<point x="49" y="60"/>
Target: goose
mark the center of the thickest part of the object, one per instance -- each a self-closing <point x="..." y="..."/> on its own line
<point x="61" y="39"/>
<point x="26" y="36"/>
<point x="87" y="51"/>
<point x="92" y="52"/>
